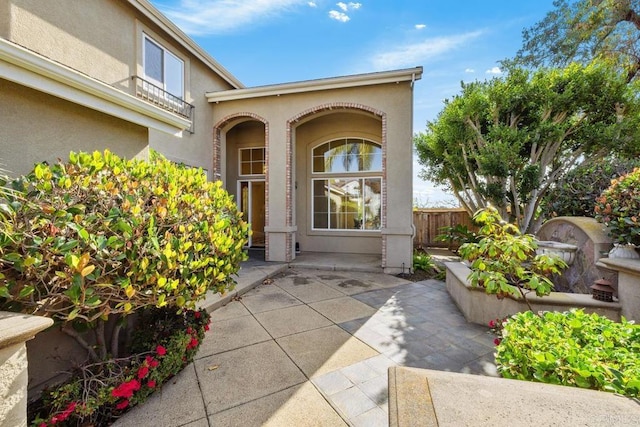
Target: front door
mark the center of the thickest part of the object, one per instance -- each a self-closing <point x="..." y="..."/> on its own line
<point x="252" y="205"/>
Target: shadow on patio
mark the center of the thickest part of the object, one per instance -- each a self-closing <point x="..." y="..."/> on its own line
<point x="312" y="347"/>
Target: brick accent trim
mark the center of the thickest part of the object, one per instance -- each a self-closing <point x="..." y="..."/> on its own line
<point x="217" y="161"/>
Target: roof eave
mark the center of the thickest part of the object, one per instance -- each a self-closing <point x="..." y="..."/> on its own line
<point x="356" y="80"/>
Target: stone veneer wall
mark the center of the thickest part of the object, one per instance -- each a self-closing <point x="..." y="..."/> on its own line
<point x="592" y="242"/>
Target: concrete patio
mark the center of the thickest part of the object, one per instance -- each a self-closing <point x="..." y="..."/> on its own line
<point x="313" y="346"/>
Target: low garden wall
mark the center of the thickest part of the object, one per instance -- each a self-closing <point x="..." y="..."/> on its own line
<point x="478" y="307"/>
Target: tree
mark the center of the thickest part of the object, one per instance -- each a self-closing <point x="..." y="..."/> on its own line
<point x="584" y="30"/>
<point x="504" y="142"/>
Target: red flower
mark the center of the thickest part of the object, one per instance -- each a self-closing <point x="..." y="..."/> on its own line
<point x="197" y="314"/>
<point x="189" y="330"/>
<point x="161" y="350"/>
<point x="492" y="323"/>
<point x="206" y="327"/>
<point x="151" y="362"/>
<point x="43" y="425"/>
<point x="496" y="341"/>
<point x="151" y="383"/>
<point x="192" y="344"/>
<point x="126" y="389"/>
<point x="68" y="411"/>
<point x="142" y="372"/>
<point x="123" y="404"/>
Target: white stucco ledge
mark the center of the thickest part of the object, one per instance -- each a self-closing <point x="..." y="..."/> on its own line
<point x="15" y="329"/>
<point x="479" y="307"/>
<point x="421" y="397"/>
<point x="628" y="284"/>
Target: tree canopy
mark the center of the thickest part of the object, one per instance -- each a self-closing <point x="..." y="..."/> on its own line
<point x="504" y="142"/>
<point x="584" y="30"/>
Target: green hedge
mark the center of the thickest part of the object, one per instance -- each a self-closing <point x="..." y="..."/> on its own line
<point x="571" y="348"/>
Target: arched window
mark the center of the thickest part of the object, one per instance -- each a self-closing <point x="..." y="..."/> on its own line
<point x="348" y="196"/>
<point x="347" y="155"/>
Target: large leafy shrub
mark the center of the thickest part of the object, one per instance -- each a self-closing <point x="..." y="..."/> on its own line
<point x="504" y="260"/>
<point x="618" y="208"/>
<point x="102" y="237"/>
<point x="575" y="194"/>
<point x="571" y="348"/>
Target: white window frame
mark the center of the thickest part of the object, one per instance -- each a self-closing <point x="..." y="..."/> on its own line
<point x="361" y="202"/>
<point x="165" y="52"/>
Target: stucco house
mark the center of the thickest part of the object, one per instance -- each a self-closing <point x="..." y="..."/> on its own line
<point x="321" y="165"/>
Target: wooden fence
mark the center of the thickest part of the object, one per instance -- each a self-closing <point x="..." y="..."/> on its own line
<point x="429" y="221"/>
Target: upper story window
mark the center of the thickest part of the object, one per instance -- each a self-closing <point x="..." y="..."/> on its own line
<point x="162" y="68"/>
<point x="350" y="155"/>
<point x="252" y="161"/>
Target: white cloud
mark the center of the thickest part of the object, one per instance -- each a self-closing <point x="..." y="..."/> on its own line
<point x="339" y="16"/>
<point x="344" y="7"/>
<point x="469" y="70"/>
<point x="202" y="17"/>
<point x="348" y="6"/>
<point x="413" y="54"/>
<point x="420" y="26"/>
<point x="494" y="70"/>
<point x="312" y="4"/>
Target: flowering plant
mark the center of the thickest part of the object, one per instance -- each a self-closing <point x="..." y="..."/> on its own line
<point x="496" y="327"/>
<point x="165" y="342"/>
<point x="618" y="208"/>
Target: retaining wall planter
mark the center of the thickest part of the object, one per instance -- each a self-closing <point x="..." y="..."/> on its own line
<point x="478" y="307"/>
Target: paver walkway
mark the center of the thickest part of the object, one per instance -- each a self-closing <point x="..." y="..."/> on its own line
<point x="312" y="347"/>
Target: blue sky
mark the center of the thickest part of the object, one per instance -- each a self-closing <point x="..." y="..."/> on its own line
<point x="265" y="42"/>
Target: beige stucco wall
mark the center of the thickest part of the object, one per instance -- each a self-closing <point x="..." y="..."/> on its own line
<point x="395" y="102"/>
<point x="104" y="40"/>
<point x="94" y="37"/>
<point x="38" y="127"/>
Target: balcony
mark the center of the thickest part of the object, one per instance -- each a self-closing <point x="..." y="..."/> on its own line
<point x="161" y="98"/>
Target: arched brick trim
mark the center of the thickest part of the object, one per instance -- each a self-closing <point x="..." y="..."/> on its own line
<point x="330" y="107"/>
<point x="217" y="163"/>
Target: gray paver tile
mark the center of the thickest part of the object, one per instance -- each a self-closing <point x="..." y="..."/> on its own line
<point x="376" y="389"/>
<point x="268" y="297"/>
<point x="245" y="374"/>
<point x="229" y="311"/>
<point x="311" y="292"/>
<point x="437" y="362"/>
<point x="375" y="417"/>
<point x="359" y="372"/>
<point x="352" y="402"/>
<point x="230" y="334"/>
<point x="342" y="309"/>
<point x="202" y="422"/>
<point x="324" y="350"/>
<point x="332" y="382"/>
<point x="291" y="320"/>
<point x="481" y="366"/>
<point x="301" y="405"/>
<point x="380" y="363"/>
<point x="155" y="410"/>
